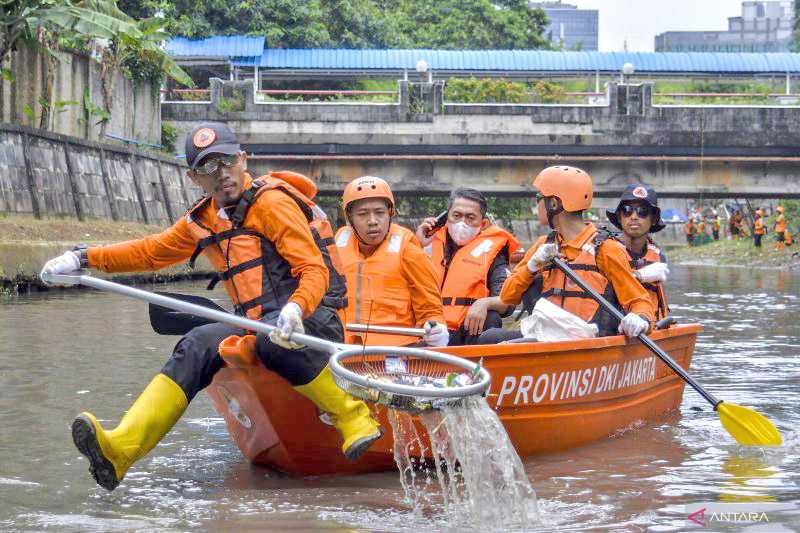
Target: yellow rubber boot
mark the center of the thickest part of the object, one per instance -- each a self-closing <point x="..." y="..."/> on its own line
<point x="151" y="416"/>
<point x="349" y="415"/>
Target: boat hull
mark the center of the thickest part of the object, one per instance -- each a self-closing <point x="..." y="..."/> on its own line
<point x="549" y="396"/>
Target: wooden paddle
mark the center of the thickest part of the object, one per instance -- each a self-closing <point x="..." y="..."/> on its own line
<point x="166" y="321"/>
<point x="745" y="425"/>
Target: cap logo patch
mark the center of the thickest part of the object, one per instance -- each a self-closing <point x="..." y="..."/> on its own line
<point x="204" y="137"/>
<point x="640" y="192"/>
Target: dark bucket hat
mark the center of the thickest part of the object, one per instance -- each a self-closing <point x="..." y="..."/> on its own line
<point x="643" y="193"/>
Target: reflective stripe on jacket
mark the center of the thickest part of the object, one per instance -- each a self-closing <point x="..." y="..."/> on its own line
<point x="257" y="278"/>
<point x="379" y="293"/>
<point x="464" y="280"/>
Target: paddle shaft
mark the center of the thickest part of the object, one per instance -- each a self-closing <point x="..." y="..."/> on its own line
<point x="187" y="307"/>
<point x="644" y="339"/>
<point x="390" y="330"/>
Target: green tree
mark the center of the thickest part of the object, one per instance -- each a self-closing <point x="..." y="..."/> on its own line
<point x="448" y="24"/>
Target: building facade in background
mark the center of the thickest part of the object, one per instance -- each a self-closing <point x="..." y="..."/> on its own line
<point x="765" y="26"/>
<point x="570" y="27"/>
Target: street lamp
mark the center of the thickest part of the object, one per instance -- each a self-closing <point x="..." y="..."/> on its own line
<point x="422" y="68"/>
<point x="627" y="70"/>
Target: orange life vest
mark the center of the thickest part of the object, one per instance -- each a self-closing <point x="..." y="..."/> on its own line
<point x="257" y="278"/>
<point x="378" y="292"/>
<point x="689" y="228"/>
<point x="464" y="280"/>
<point x="656" y="290"/>
<point x="560" y="290"/>
<point x="780" y="224"/>
<point x="758" y="226"/>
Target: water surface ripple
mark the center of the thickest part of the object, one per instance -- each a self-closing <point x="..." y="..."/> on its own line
<point x="61" y="353"/>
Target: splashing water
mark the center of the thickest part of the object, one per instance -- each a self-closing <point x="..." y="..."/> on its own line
<point x="482" y="483"/>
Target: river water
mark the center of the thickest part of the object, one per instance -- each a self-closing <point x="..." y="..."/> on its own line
<point x="62" y="352"/>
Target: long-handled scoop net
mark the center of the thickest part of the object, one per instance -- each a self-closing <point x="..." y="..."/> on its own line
<point x="745" y="425"/>
<point x="409" y="379"/>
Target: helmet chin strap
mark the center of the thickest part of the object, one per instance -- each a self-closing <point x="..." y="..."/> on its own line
<point x="551" y="213"/>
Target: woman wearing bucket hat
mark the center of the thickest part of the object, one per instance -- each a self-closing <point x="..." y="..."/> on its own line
<point x="637" y="214"/>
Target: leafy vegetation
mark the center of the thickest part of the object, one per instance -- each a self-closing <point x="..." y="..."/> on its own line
<point x="169" y="134"/>
<point x="98" y="27"/>
<point x="444" y="24"/>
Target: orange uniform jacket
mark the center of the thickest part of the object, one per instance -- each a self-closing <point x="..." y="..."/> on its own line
<point x="276" y="216"/>
<point x="394" y="286"/>
<point x="612" y="261"/>
<point x="780" y="224"/>
<point x="758" y="226"/>
<point x="655" y="289"/>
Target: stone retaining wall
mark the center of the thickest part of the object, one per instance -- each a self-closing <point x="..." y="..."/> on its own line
<point x="47" y="174"/>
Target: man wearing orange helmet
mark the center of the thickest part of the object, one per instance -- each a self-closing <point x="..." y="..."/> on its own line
<point x="759" y="228"/>
<point x="390" y="280"/>
<point x="269" y="244"/>
<point x="564" y="193"/>
<point x="782" y="237"/>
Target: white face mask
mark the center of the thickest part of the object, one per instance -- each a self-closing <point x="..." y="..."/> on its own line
<point x="462" y="233"/>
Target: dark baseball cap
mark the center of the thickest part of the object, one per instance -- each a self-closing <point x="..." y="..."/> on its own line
<point x="210" y="138"/>
<point x="643" y="193"/>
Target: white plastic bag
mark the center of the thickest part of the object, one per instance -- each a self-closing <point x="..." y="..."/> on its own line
<point x="548" y="322"/>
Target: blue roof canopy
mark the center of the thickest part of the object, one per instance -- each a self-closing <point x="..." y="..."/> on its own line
<point x="233" y="46"/>
<point x="524" y="61"/>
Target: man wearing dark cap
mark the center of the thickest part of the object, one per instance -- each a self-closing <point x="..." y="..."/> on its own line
<point x="268" y="243"/>
<point x="638" y="215"/>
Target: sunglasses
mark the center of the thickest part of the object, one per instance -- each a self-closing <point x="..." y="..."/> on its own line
<point x="641" y="210"/>
<point x="212" y="165"/>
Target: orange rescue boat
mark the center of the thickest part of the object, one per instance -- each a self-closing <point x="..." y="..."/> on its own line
<point x="550" y="396"/>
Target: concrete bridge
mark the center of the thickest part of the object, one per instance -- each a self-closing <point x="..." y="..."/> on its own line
<point x="428" y="146"/>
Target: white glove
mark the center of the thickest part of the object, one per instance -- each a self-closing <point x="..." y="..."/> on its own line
<point x="542" y="255"/>
<point x="633" y="325"/>
<point x="63" y="264"/>
<point x="436" y="335"/>
<point x="289" y="321"/>
<point x="653" y="272"/>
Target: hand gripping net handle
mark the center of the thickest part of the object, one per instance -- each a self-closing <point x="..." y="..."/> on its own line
<point x="346" y="376"/>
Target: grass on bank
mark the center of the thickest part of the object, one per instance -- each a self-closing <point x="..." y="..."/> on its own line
<point x="27" y="229"/>
<point x="740" y="253"/>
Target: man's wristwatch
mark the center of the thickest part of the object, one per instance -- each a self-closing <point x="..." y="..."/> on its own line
<point x="83" y="254"/>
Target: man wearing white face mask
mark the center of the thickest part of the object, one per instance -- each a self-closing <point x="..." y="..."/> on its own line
<point x="470" y="257"/>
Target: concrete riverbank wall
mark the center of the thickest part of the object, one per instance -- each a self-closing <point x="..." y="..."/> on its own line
<point x="48" y="174"/>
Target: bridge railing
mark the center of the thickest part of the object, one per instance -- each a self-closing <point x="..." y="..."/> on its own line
<point x="321" y="96"/>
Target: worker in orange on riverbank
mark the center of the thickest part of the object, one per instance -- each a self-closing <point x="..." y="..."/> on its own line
<point x="782" y="236"/>
<point x="690" y="230"/>
<point x="390" y="280"/>
<point x="564" y="194"/>
<point x="715" y="225"/>
<point x="268" y="243"/>
<point x="759" y="228"/>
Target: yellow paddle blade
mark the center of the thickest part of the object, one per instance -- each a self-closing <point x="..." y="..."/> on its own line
<point x="747" y="426"/>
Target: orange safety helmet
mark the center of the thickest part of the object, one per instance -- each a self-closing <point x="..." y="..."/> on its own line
<point x="759" y="212"/>
<point x="367" y="187"/>
<point x="571" y="185"/>
<point x="779" y="209"/>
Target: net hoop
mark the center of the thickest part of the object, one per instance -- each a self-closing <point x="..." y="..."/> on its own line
<point x="479" y="386"/>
